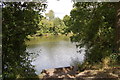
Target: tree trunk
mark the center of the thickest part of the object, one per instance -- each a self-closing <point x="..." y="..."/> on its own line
<point x="117" y="27"/>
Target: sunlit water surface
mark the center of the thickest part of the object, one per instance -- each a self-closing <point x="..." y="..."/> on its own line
<point x="53" y="52"/>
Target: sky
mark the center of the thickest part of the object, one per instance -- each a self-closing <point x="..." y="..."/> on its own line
<point x="60" y="8"/>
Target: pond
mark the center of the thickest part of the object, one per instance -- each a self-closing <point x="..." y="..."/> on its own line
<point x="53" y="52"/>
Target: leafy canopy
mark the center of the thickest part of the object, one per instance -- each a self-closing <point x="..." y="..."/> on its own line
<point x="20" y="19"/>
<point x="93" y="27"/>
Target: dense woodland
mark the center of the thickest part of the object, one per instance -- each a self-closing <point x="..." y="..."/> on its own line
<point x="95" y="26"/>
<point x="19" y="20"/>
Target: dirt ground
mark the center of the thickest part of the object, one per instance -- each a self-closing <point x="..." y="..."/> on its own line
<point x="68" y="73"/>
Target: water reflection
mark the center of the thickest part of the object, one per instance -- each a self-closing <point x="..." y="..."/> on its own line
<point x="54" y="52"/>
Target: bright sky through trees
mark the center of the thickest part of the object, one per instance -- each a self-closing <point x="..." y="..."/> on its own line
<point x="60" y="8"/>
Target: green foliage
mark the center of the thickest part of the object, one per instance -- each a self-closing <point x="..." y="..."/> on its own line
<point x="93" y="27"/>
<point x="67" y="22"/>
<point x="50" y="15"/>
<point x="51" y="25"/>
<point x="58" y="25"/>
<point x="20" y="19"/>
<point x="115" y="58"/>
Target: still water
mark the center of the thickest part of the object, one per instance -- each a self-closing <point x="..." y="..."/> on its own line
<point x="53" y="52"/>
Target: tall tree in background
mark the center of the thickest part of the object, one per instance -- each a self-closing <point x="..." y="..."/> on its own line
<point x="20" y="19"/>
<point x="50" y="15"/>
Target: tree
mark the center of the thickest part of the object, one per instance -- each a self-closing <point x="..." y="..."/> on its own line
<point x="66" y="20"/>
<point x="59" y="26"/>
<point x="117" y="26"/>
<point x="93" y="25"/>
<point x="50" y="15"/>
<point x="20" y="19"/>
<point x="51" y="26"/>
